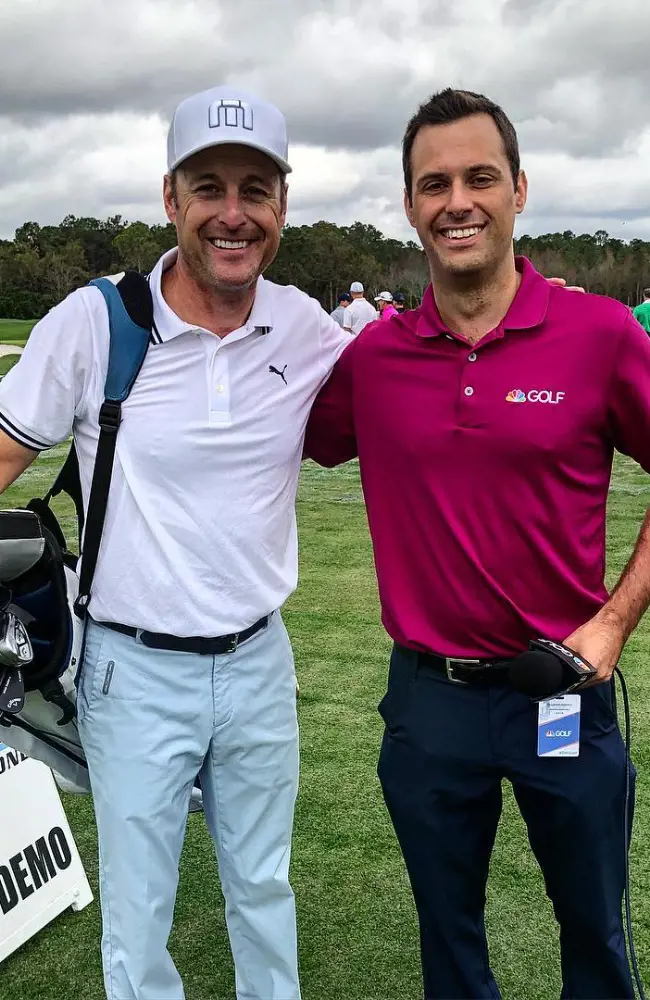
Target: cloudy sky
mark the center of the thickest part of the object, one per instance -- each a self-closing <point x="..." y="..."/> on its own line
<point x="87" y="88"/>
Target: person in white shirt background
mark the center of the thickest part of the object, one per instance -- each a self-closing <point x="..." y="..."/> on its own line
<point x="359" y="313"/>
<point x="200" y="541"/>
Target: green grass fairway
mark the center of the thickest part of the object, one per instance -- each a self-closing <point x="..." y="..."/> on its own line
<point x="7" y="362"/>
<point x="15" y="331"/>
<point x="357" y="923"/>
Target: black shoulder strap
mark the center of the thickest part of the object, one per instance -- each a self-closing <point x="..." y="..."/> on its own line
<point x="68" y="482"/>
<point x="130" y="314"/>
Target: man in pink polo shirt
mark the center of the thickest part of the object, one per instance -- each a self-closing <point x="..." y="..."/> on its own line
<point x="485" y="423"/>
<point x="385" y="305"/>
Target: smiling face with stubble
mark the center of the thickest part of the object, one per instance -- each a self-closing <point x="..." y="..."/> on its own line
<point x="463" y="199"/>
<point x="228" y="204"/>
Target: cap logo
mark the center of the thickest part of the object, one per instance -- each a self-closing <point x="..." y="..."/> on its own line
<point x="235" y="114"/>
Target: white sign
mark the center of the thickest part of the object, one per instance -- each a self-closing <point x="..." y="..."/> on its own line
<point x="41" y="874"/>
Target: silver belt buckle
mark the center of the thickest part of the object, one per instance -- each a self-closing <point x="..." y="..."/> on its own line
<point x="453" y="661"/>
<point x="234" y="642"/>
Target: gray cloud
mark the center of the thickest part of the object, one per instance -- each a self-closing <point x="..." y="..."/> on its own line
<point x="346" y="74"/>
<point x="87" y="88"/>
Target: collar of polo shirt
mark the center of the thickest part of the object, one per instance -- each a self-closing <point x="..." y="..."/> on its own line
<point x="527" y="310"/>
<point x="168" y="325"/>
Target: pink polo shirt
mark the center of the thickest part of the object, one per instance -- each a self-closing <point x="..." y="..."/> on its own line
<point x="388" y="312"/>
<point x="485" y="469"/>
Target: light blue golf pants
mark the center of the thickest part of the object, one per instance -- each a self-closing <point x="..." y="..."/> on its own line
<point x="150" y="721"/>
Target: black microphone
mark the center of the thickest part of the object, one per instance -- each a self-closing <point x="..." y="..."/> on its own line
<point x="548" y="669"/>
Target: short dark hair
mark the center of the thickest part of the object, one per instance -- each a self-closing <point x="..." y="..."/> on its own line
<point x="173" y="183"/>
<point x="646" y="293"/>
<point x="451" y="106"/>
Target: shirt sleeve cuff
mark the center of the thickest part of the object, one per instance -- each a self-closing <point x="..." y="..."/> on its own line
<point x="24" y="437"/>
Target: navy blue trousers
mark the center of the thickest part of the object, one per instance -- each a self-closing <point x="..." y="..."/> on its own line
<point x="445" y="751"/>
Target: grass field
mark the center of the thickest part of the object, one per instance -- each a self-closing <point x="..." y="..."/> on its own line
<point x="7" y="362"/>
<point x="357" y="924"/>
<point x="15" y="331"/>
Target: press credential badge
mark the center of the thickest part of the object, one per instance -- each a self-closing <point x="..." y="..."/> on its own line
<point x="558" y="726"/>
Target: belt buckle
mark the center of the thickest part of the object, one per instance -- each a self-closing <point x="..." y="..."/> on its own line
<point x="234" y="642"/>
<point x="450" y="663"/>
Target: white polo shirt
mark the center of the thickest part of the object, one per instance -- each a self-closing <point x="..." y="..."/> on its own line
<point x="200" y="535"/>
<point x="358" y="314"/>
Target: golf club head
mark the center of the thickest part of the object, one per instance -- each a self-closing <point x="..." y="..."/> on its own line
<point x="15" y="645"/>
<point x="12" y="690"/>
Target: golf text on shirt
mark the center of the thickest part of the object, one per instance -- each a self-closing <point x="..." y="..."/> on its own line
<point x="436" y="432"/>
<point x="534" y="396"/>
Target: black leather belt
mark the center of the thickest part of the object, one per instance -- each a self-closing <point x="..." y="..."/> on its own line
<point x="466" y="671"/>
<point x="189" y="644"/>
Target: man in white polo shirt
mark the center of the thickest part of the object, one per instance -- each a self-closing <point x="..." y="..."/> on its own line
<point x="359" y="313"/>
<point x="188" y="668"/>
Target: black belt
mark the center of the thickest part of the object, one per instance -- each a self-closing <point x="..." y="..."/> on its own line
<point x="459" y="670"/>
<point x="190" y="644"/>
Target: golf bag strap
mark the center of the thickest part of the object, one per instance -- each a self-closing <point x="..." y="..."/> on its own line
<point x="130" y="313"/>
<point x="68" y="482"/>
<point x="41" y="506"/>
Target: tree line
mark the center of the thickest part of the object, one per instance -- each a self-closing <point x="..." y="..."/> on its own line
<point x="42" y="264"/>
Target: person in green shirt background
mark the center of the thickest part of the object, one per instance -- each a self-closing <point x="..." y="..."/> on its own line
<point x="642" y="311"/>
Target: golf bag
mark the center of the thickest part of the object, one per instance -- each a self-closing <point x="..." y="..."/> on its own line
<point x="44" y="594"/>
<point x="38" y="633"/>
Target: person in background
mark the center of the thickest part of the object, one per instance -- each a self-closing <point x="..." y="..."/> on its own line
<point x="338" y="314"/>
<point x="642" y="311"/>
<point x="359" y="313"/>
<point x="399" y="301"/>
<point x="385" y="305"/>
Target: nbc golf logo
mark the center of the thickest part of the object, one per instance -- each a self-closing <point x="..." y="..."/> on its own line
<point x="534" y="396"/>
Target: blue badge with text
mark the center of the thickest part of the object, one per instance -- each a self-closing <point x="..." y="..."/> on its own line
<point x="558" y="726"/>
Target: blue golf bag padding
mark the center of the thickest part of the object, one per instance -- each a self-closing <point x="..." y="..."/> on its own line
<point x="130" y="315"/>
<point x="51" y="597"/>
<point x="128" y="342"/>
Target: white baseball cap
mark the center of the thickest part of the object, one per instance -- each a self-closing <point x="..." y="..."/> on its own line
<point x="356" y="286"/>
<point x="384" y="297"/>
<point x="224" y="115"/>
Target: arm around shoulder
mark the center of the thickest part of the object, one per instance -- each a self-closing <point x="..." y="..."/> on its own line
<point x="330" y="438"/>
